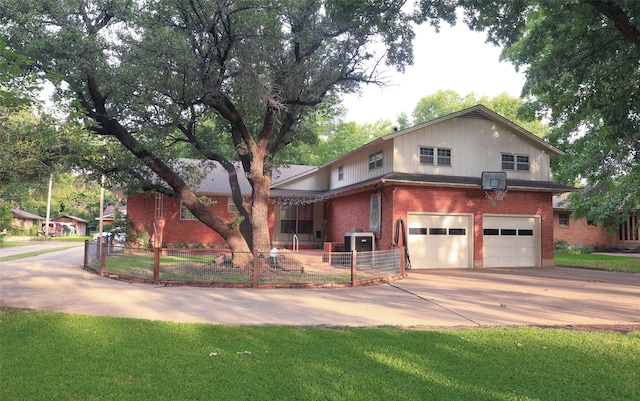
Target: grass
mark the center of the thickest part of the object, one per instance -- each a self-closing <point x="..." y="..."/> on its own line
<point x="58" y="356"/>
<point x="34" y="253"/>
<point x="9" y="243"/>
<point x="602" y="262"/>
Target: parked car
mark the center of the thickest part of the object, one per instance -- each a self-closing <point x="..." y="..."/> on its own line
<point x="55" y="229"/>
<point x="116" y="235"/>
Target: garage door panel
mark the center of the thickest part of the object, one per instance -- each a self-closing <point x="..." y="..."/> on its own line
<point x="509" y="241"/>
<point x="439" y="241"/>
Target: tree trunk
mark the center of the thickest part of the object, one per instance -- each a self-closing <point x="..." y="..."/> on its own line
<point x="260" y="205"/>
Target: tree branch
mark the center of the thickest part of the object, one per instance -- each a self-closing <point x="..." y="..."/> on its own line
<point x="616" y="14"/>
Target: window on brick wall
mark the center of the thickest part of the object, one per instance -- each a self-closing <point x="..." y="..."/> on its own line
<point x="231" y="207"/>
<point x="185" y="214"/>
<point x="563" y="219"/>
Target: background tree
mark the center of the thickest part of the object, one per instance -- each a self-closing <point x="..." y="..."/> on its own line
<point x="445" y="102"/>
<point x="6" y="217"/>
<point x="580" y="60"/>
<point x="147" y="74"/>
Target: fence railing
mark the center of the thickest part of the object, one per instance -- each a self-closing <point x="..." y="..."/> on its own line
<point x="219" y="268"/>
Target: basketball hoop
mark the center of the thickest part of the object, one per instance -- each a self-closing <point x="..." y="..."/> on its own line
<point x="498" y="194"/>
<point x="495" y="181"/>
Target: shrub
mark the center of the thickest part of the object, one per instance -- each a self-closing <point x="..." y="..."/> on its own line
<point x="563" y="247"/>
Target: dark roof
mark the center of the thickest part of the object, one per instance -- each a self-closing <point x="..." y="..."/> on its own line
<point x="21" y="214"/>
<point x="216" y="178"/>
<point x="421" y="180"/>
<point x="78" y="219"/>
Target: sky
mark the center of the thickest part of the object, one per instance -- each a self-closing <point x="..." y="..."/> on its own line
<point x="454" y="59"/>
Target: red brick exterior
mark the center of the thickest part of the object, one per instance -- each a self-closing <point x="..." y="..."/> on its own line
<point x="347" y="212"/>
<point x="352" y="211"/>
<point x="141" y="211"/>
<point x="579" y="232"/>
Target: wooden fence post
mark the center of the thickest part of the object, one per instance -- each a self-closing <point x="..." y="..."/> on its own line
<point x="254" y="274"/>
<point x="354" y="273"/>
<point x="86" y="254"/>
<point x="103" y="257"/>
<point x="156" y="265"/>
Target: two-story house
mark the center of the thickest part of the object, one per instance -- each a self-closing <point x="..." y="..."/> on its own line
<point x="428" y="175"/>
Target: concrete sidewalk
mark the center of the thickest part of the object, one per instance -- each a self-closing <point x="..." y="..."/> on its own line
<point x="435" y="298"/>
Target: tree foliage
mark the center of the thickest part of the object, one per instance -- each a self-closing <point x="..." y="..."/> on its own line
<point x="445" y="102"/>
<point x="161" y="78"/>
<point x="580" y="59"/>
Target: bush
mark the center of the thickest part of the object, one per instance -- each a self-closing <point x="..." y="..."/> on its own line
<point x="563" y="247"/>
<point x="136" y="238"/>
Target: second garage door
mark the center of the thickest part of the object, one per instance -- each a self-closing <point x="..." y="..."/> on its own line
<point x="510" y="241"/>
<point x="439" y="241"/>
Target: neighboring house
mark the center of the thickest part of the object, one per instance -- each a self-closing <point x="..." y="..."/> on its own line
<point x="25" y="220"/>
<point x="586" y="232"/>
<point x="109" y="213"/>
<point x="428" y="175"/>
<point x="80" y="224"/>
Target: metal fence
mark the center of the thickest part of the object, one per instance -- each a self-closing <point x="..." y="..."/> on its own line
<point x="220" y="268"/>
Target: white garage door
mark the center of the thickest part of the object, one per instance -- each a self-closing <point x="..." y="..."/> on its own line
<point x="439" y="241"/>
<point x="510" y="241"/>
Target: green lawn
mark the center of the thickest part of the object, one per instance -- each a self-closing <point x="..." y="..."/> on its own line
<point x="8" y="242"/>
<point x="603" y="262"/>
<point x="55" y="356"/>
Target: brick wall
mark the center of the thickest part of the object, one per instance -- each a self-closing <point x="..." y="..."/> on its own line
<point x="352" y="211"/>
<point x="141" y="211"/>
<point x="578" y="231"/>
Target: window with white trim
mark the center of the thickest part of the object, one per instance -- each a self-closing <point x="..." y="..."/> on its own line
<point x="231" y="207"/>
<point x="444" y="157"/>
<point x="515" y="162"/>
<point x="426" y="155"/>
<point x="340" y="173"/>
<point x="435" y="156"/>
<point x="375" y="160"/>
<point x="296" y="219"/>
<point x="563" y="219"/>
<point x="185" y="214"/>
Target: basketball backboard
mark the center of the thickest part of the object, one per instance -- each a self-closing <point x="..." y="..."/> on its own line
<point x="494" y="180"/>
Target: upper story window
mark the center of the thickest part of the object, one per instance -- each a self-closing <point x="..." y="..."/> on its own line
<point x="515" y="162"/>
<point x="185" y="214"/>
<point x="444" y="157"/>
<point x="435" y="156"/>
<point x="426" y="155"/>
<point x="341" y="173"/>
<point x="375" y="160"/>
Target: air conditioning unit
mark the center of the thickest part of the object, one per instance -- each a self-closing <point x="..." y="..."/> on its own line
<point x="359" y="241"/>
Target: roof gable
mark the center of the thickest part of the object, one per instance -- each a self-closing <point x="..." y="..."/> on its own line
<point x="478" y="112"/>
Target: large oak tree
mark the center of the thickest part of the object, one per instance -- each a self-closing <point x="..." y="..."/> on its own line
<point x="162" y="78"/>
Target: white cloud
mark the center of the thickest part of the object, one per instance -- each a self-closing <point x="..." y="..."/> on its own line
<point x="455" y="59"/>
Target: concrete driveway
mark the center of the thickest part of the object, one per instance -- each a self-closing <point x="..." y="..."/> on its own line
<point x="434" y="298"/>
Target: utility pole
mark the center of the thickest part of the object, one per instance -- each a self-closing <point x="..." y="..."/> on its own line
<point x="46" y="226"/>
